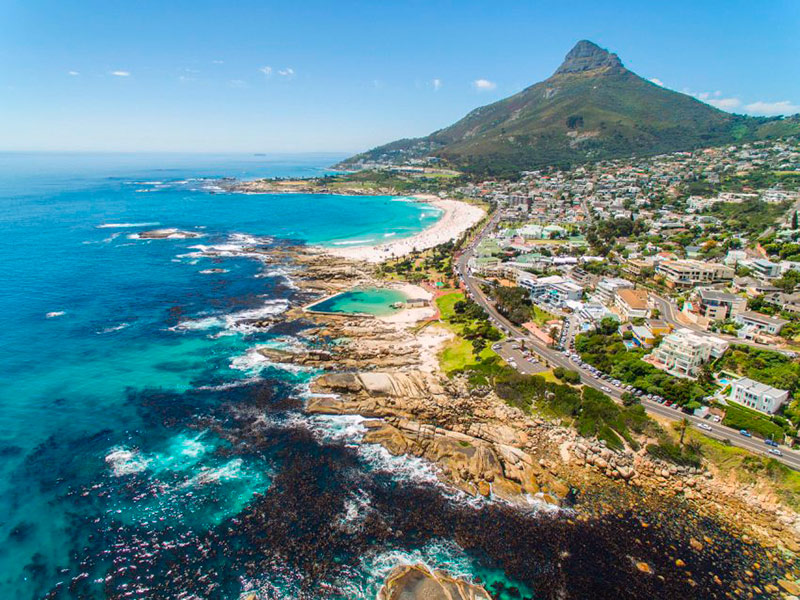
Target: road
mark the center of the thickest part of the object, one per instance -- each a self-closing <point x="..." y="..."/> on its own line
<point x="669" y="313"/>
<point x="555" y="358"/>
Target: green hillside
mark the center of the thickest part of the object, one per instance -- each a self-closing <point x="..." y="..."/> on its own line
<point x="591" y="108"/>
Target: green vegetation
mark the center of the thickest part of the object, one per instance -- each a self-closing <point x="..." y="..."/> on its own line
<point x="474" y="332"/>
<point x="759" y="424"/>
<point x="749" y="467"/>
<point x="597" y="114"/>
<point x="567" y="375"/>
<point x="750" y="217"/>
<point x="590" y="411"/>
<point x="514" y="303"/>
<point x="773" y="368"/>
<point x="608" y="353"/>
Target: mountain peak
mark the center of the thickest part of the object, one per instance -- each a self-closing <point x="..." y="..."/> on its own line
<point x="588" y="56"/>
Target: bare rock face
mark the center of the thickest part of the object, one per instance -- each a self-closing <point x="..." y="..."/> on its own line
<point x="417" y="582"/>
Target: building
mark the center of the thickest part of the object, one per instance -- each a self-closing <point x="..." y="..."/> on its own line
<point x="754" y="323"/>
<point x="684" y="274"/>
<point x="632" y="304"/>
<point x="554" y="289"/>
<point x="758" y="396"/>
<point x="606" y="289"/>
<point x="718" y="306"/>
<point x="765" y="269"/>
<point x="683" y="352"/>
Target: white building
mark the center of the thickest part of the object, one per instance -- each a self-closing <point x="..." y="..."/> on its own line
<point x="757" y="395"/>
<point x="607" y="288"/>
<point x="754" y="324"/>
<point x="684" y="351"/>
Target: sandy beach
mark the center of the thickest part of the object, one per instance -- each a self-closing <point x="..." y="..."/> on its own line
<point x="458" y="217"/>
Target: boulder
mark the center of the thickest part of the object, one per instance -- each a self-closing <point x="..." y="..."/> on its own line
<point x="417" y="582"/>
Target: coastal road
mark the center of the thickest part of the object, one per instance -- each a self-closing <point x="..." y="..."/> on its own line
<point x="556" y="358"/>
<point x="669" y="313"/>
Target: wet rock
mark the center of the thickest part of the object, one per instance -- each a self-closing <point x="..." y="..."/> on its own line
<point x="417" y="582"/>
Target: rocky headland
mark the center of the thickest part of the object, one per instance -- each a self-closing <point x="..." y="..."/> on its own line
<point x="386" y="370"/>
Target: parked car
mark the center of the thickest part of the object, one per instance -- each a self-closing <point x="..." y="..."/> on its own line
<point x="745" y="433"/>
<point x="771" y="443"/>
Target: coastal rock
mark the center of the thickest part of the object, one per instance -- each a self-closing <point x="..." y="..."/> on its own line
<point x="417" y="582"/>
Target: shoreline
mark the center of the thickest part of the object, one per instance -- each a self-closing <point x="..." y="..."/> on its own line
<point x="457" y="217"/>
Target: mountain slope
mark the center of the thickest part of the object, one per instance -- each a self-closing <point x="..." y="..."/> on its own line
<point x="591" y="108"/>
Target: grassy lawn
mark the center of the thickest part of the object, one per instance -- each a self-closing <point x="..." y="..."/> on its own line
<point x="540" y="317"/>
<point x="750" y="467"/>
<point x="741" y="417"/>
<point x="446" y="302"/>
<point x="458" y="353"/>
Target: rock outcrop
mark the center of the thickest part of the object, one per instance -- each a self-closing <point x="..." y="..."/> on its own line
<point x="417" y="582"/>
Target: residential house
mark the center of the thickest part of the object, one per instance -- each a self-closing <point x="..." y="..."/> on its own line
<point x="757" y="324"/>
<point x="758" y="396"/>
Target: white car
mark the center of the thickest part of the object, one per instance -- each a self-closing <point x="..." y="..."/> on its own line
<point x="775" y="451"/>
<point x="605" y="388"/>
<point x="705" y="426"/>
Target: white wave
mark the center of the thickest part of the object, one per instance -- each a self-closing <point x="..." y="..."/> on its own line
<point x="354" y="242"/>
<point x="230" y="470"/>
<point x="212" y="271"/>
<point x="112" y="237"/>
<point x="238" y="321"/>
<point x="229" y="385"/>
<point x="55" y="313"/>
<point x="253" y="362"/>
<point x="114" y="328"/>
<point x="127" y="225"/>
<point x="126" y="462"/>
<point x="390" y="234"/>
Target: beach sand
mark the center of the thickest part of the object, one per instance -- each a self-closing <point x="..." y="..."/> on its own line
<point x="457" y="218"/>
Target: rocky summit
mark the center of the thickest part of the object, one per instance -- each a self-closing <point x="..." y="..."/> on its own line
<point x="588" y="56"/>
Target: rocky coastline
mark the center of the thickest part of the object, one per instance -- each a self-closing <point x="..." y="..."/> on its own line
<point x="386" y="372"/>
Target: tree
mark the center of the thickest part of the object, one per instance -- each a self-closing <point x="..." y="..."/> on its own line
<point x="794" y="220"/>
<point x="681" y="427"/>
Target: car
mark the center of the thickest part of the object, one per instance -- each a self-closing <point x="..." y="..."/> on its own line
<point x="771" y="443"/>
<point x="605" y="388"/>
<point x="745" y="433"/>
<point x="775" y="451"/>
<point x="705" y="426"/>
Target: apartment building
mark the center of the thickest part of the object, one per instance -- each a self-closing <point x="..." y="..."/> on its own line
<point x="683" y="352"/>
<point x="754" y="323"/>
<point x="632" y="304"/>
<point x="718" y="306"/>
<point x="684" y="274"/>
<point x="606" y="289"/>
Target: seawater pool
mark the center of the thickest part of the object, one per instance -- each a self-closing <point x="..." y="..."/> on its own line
<point x="369" y="301"/>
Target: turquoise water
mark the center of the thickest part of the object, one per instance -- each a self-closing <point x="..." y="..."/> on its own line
<point x="149" y="450"/>
<point x="369" y="301"/>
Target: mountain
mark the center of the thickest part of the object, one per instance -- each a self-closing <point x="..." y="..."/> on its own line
<point x="591" y="108"/>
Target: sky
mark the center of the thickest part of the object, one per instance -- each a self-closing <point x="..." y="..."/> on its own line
<point x="344" y="76"/>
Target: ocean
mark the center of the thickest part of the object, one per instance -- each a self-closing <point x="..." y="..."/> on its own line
<point x="147" y="451"/>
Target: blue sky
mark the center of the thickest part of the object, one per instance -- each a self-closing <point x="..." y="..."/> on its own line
<point x="345" y="76"/>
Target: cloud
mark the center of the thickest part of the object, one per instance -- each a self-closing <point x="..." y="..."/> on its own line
<point x="217" y="62"/>
<point x="287" y="72"/>
<point x="771" y="109"/>
<point x="73" y="73"/>
<point x="237" y="83"/>
<point x="715" y="99"/>
<point x="437" y="84"/>
<point x="725" y="103"/>
<point x="121" y="73"/>
<point x="484" y="85"/>
<point x="266" y="70"/>
<point x="657" y="81"/>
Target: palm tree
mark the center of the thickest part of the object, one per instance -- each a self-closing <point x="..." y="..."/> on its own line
<point x="682" y="426"/>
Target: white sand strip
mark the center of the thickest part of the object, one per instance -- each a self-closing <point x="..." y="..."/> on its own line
<point x="457" y="218"/>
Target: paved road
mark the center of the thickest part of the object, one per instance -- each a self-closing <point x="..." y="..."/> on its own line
<point x="669" y="313"/>
<point x="555" y="358"/>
